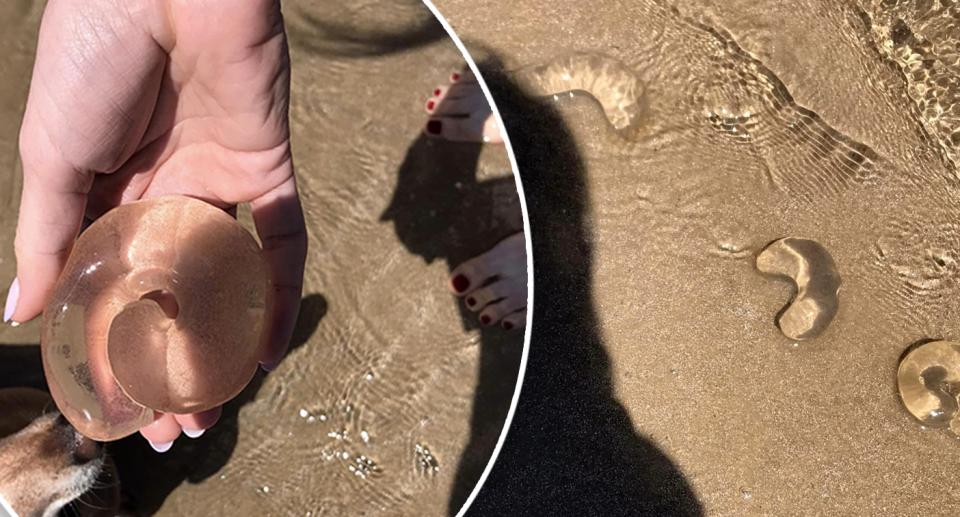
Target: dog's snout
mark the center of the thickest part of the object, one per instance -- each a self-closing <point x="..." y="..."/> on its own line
<point x="61" y="421"/>
<point x="84" y="449"/>
<point x="87" y="450"/>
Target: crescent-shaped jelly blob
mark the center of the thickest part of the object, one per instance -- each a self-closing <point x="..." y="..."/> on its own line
<point x="612" y="83"/>
<point x="929" y="384"/>
<point x="161" y="306"/>
<point x="812" y="268"/>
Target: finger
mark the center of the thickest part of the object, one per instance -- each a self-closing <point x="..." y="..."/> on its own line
<point x="89" y="104"/>
<point x="51" y="211"/>
<point x="162" y="432"/>
<point x="278" y="217"/>
<point x="195" y="424"/>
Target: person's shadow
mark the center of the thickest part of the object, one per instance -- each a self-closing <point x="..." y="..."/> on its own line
<point x="147" y="478"/>
<point x="572" y="448"/>
<point x="441" y="211"/>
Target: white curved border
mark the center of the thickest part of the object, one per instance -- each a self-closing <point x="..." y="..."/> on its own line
<point x="7" y="511"/>
<point x="526" y="233"/>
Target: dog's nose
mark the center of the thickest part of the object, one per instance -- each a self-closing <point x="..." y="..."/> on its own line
<point x="87" y="450"/>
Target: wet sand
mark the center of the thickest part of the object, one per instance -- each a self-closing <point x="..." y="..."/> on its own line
<point x="698" y="404"/>
<point x="392" y="398"/>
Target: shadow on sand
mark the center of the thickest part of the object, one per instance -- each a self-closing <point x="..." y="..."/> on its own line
<point x="147" y="478"/>
<point x="318" y="34"/>
<point x="572" y="448"/>
<point x="440" y="211"/>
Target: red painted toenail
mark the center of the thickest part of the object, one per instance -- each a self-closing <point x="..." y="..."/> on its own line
<point x="433" y="127"/>
<point x="436" y="93"/>
<point x="471" y="302"/>
<point x="461" y="283"/>
<point x="430" y="105"/>
<point x="485" y="319"/>
<point x="507" y="325"/>
<point x="454" y="77"/>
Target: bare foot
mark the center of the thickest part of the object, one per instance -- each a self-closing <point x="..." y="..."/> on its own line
<point x="495" y="283"/>
<point x="460" y="112"/>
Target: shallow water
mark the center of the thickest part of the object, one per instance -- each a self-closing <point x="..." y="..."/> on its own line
<point x="393" y="398"/>
<point x="762" y="121"/>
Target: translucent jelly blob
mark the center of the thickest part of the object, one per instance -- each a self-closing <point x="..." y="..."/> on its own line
<point x="613" y="84"/>
<point x="929" y="384"/>
<point x="161" y="307"/>
<point x="812" y="268"/>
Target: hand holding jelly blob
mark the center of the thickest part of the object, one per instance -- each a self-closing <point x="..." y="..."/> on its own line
<point x="812" y="268"/>
<point x="929" y="384"/>
<point x="161" y="307"/>
<point x="188" y="108"/>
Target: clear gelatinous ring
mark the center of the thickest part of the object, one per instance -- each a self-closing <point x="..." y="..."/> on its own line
<point x="162" y="306"/>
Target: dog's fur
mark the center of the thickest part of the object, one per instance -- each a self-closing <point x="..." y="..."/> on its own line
<point x="44" y="462"/>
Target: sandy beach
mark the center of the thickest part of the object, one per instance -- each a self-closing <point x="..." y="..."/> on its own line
<point x="831" y="122"/>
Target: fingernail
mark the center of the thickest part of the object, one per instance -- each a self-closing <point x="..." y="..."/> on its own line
<point x="269" y="367"/>
<point x="485" y="319"/>
<point x="433" y="127"/>
<point x="454" y="77"/>
<point x="471" y="302"/>
<point x="507" y="325"/>
<point x="436" y="93"/>
<point x="430" y="105"/>
<point x="160" y="447"/>
<point x="13" y="296"/>
<point x="460" y="283"/>
<point x="193" y="433"/>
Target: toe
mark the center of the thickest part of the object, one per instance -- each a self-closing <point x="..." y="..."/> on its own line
<point x="508" y="260"/>
<point x="469" y="104"/>
<point x="463" y="76"/>
<point x="437" y="96"/>
<point x="496" y="311"/>
<point x="468" y="129"/>
<point x="482" y="297"/>
<point x="434" y="128"/>
<point x="470" y="275"/>
<point x="515" y="320"/>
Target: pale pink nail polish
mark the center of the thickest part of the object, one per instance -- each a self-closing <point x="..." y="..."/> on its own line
<point x="160" y="447"/>
<point x="193" y="433"/>
<point x="12" y="298"/>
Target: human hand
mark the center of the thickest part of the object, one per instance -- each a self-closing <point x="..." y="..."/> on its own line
<point x="142" y="98"/>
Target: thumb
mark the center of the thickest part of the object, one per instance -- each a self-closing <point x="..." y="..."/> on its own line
<point x="94" y="88"/>
<point x="51" y="210"/>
